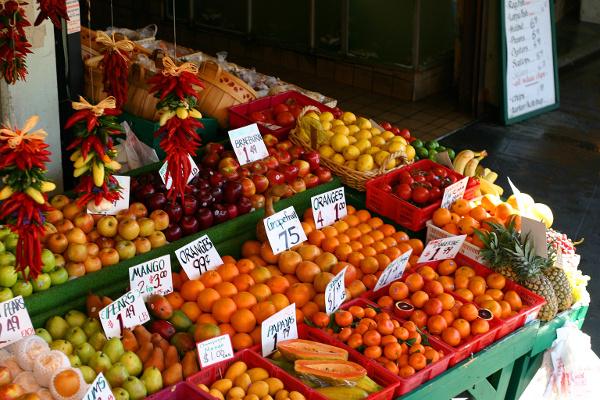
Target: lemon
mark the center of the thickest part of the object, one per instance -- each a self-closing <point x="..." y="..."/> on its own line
<point x="353" y="129"/>
<point x="338" y="159"/>
<point x="336" y="122"/>
<point x="329" y="134"/>
<point x="312" y="114"/>
<point x="399" y="139"/>
<point x="351" y="152"/>
<point x="410" y="152"/>
<point x="326" y="125"/>
<point x="387" y="135"/>
<point x="364" y="163"/>
<point x="363" y="123"/>
<point x="326" y="116"/>
<point x="326" y="143"/>
<point x="377" y="141"/>
<point x="351" y="164"/>
<point x="396" y="146"/>
<point x="339" y="141"/>
<point x="372" y="150"/>
<point x="380" y="156"/>
<point x="375" y="131"/>
<point x="326" y="151"/>
<point x="341" y="129"/>
<point x="362" y="145"/>
<point x="352" y="139"/>
<point x="385" y="146"/>
<point x="348" y="118"/>
<point x="363" y="134"/>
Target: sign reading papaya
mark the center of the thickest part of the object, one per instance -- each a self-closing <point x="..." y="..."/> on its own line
<point x="329" y="207"/>
<point x="15" y="323"/>
<point x="278" y="327"/>
<point x="198" y="257"/>
<point x="127" y="311"/>
<point x="152" y="277"/>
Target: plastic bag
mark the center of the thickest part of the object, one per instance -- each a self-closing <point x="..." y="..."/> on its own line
<point x="132" y="153"/>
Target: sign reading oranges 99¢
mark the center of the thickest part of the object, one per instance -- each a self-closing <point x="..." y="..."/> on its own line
<point x="15" y="323"/>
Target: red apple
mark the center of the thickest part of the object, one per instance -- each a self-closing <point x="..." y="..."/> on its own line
<point x="284" y="145"/>
<point x="217" y="179"/>
<point x="229" y="153"/>
<point x="126" y="249"/>
<point x="124" y="214"/>
<point x="298" y="185"/>
<point x="258" y="201"/>
<point x="156" y="201"/>
<point x="139" y="210"/>
<point x="59" y="201"/>
<point x="157" y="239"/>
<point x="213" y="147"/>
<point x="232" y="191"/>
<point x="189" y="225"/>
<point x="173" y="233"/>
<point x="258" y="167"/>
<point x="232" y="211"/>
<point x="219" y="213"/>
<point x="230" y="174"/>
<point x="285" y="119"/>
<point x="142" y="245"/>
<point x="5" y="376"/>
<point x="288" y="193"/>
<point x="204" y="217"/>
<point x="84" y="221"/>
<point x="272" y="163"/>
<point x="283" y="157"/>
<point x="303" y="167"/>
<point x="229" y="162"/>
<point x="105" y="242"/>
<point x="248" y="187"/>
<point x="54" y="216"/>
<point x="289" y="171"/>
<point x="268" y="114"/>
<point x="270" y="140"/>
<point x="147" y="226"/>
<point x="274" y="177"/>
<point x="210" y="160"/>
<point x="129" y="229"/>
<point x="271" y="151"/>
<point x="260" y="182"/>
<point x="92" y="264"/>
<point x="57" y="243"/>
<point x="71" y="210"/>
<point x="64" y="225"/>
<point x="244" y="205"/>
<point x="142" y="191"/>
<point x="59" y="261"/>
<point x="323" y="173"/>
<point x="107" y="226"/>
<point x="11" y="391"/>
<point x="189" y="205"/>
<point x="174" y="211"/>
<point x="311" y="180"/>
<point x="93" y="235"/>
<point x="296" y="152"/>
<point x="93" y="249"/>
<point x="75" y="269"/>
<point x="313" y="158"/>
<point x="256" y="116"/>
<point x="161" y="219"/>
<point x="77" y="252"/>
<point x="49" y="229"/>
<point x="76" y="235"/>
<point x="108" y="256"/>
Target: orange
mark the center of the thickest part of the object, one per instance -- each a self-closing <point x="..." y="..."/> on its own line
<point x="250" y="248"/>
<point x="480" y="298"/>
<point x="398" y="291"/>
<point x="451" y="228"/>
<point x="243" y="282"/>
<point x="299" y="294"/>
<point x="464" y="270"/>
<point x="441" y="217"/>
<point x="342" y="252"/>
<point x="206" y="318"/>
<point x="176" y="282"/>
<point x="432" y="306"/>
<point x="278" y="284"/>
<point x="343" y="238"/>
<point x="496" y="281"/>
<point x="330" y="244"/>
<point x="414" y="282"/>
<point x="427" y="272"/>
<point x="354" y="258"/>
<point x="495" y="294"/>
<point x="191" y="309"/>
<point x="503" y="211"/>
<point x="513" y="298"/>
<point x="363" y="215"/>
<point x="309" y="252"/>
<point x="372" y="338"/>
<point x="406" y="371"/>
<point x="433" y="288"/>
<point x="506" y="309"/>
<point x="417" y="246"/>
<point x="389" y="241"/>
<point x="417" y="361"/>
<point x="477" y="287"/>
<point x="320" y="319"/>
<point x="385" y="301"/>
<point x="329" y="231"/>
<point x="226" y="289"/>
<point x="451" y="336"/>
<point x="448" y="282"/>
<point x="400" y="237"/>
<point x="468" y="312"/>
<point x="223" y="309"/>
<point x="341" y="226"/>
<point x="460" y="206"/>
<point x="191" y="289"/>
<point x="258" y="261"/>
<point x="310" y="309"/>
<point x="419" y="317"/>
<point x="306" y="271"/>
<point x="465" y="294"/>
<point x="228" y="271"/>
<point x="419" y="298"/>
<point x="263" y="310"/>
<point x="343" y="318"/>
<point x="479" y="326"/>
<point x="366" y="240"/>
<point x="364" y="228"/>
<point x="255" y="335"/>
<point x="245" y="265"/>
<point x="515" y="219"/>
<point x="375" y="222"/>
<point x="448" y="316"/>
<point x="493" y="306"/>
<point x="228" y="260"/>
<point x="288" y="261"/>
<point x="447" y="267"/>
<point x="209" y="279"/>
<point x="372" y="352"/>
<point x="307" y="228"/>
<point x="175" y="299"/>
<point x="436" y="324"/>
<point x="369" y="265"/>
<point x="260" y="274"/>
<point x="356" y="289"/>
<point x="316" y="238"/>
<point x="241" y="341"/>
<point x="260" y="291"/>
<point x="461" y="281"/>
<point x="393" y="252"/>
<point x="478" y="213"/>
<point x="227" y="329"/>
<point x="379" y="246"/>
<point x="266" y="253"/>
<point x="431" y="355"/>
<point x="279" y="300"/>
<point x="207" y="298"/>
<point x="368" y="251"/>
<point x="244" y="300"/>
<point x="463" y="327"/>
<point x="377" y="235"/>
<point x="467" y="225"/>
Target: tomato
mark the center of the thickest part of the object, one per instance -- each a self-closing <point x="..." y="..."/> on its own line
<point x="405" y="133"/>
<point x="395" y="130"/>
<point x="257" y="116"/>
<point x="268" y="114"/>
<point x="295" y="111"/>
<point x="436" y="181"/>
<point x="435" y="193"/>
<point x="452" y="179"/>
<point x="403" y="174"/>
<point x="420" y="195"/>
<point x="441" y="172"/>
<point x="404" y="191"/>
<point x="385" y="187"/>
<point x="285" y="119"/>
<point x="407" y="179"/>
<point x="280" y="108"/>
<point x="386" y="126"/>
<point x="419" y="178"/>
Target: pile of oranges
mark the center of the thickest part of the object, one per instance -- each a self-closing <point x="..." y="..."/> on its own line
<point x="399" y="347"/>
<point x="240" y="294"/>
<point x="464" y="216"/>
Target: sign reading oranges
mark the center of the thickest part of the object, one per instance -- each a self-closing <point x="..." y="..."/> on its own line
<point x="214" y="350"/>
<point x="329" y="207"/>
<point x="442" y="249"/>
<point x="122" y="203"/>
<point x="199" y="256"/>
<point x="454" y="192"/>
<point x="335" y="292"/>
<point x="278" y="327"/>
<point x="168" y="181"/>
<point x="284" y="230"/>
<point x="99" y="389"/>
<point x="15" y="323"/>
<point x="152" y="277"/>
<point x="127" y="311"/>
<point x="394" y="271"/>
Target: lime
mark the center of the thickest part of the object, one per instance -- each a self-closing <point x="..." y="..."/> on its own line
<point x="431" y="145"/>
<point x="416" y="159"/>
<point x="417" y="144"/>
<point x="422" y="152"/>
<point x="451" y="153"/>
<point x="441" y="149"/>
<point x="431" y="157"/>
<point x="433" y="152"/>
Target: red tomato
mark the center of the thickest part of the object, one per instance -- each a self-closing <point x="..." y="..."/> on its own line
<point x="295" y="111"/>
<point x="268" y="114"/>
<point x="257" y="116"/>
<point x="387" y="126"/>
<point x="419" y="178"/>
<point x="441" y="172"/>
<point x="395" y="130"/>
<point x="435" y="193"/>
<point x="280" y="108"/>
<point x="407" y="179"/>
<point x="385" y="187"/>
<point x="452" y="179"/>
<point x="404" y="191"/>
<point x="405" y="133"/>
<point x="285" y="119"/>
<point x="420" y="195"/>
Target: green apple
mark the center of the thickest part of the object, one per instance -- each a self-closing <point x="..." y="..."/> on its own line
<point x="2" y="247"/>
<point x="42" y="282"/>
<point x="58" y="276"/>
<point x="7" y="258"/>
<point x="11" y="242"/>
<point x="5" y="294"/>
<point x="22" y="288"/>
<point x="4" y="231"/>
<point x="23" y="274"/>
<point x="48" y="260"/>
<point x="8" y="277"/>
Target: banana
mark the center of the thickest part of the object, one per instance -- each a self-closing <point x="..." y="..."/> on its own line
<point x="479" y="171"/>
<point x="113" y="165"/>
<point x="48" y="186"/>
<point x="195" y="113"/>
<point x="98" y="173"/>
<point x="6" y="192"/>
<point x="486" y="187"/>
<point x="472" y="166"/>
<point x="75" y="155"/>
<point x="35" y="194"/>
<point x="491" y="176"/>
<point x="80" y="162"/>
<point x="80" y="171"/>
<point x="461" y="160"/>
<point x="167" y="115"/>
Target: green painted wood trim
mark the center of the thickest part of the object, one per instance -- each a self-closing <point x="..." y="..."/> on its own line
<point x="525" y="369"/>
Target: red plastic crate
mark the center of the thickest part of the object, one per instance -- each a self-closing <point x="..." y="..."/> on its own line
<point x="404" y="213"/>
<point x="533" y="302"/>
<point x="238" y="115"/>
<point x="179" y="391"/>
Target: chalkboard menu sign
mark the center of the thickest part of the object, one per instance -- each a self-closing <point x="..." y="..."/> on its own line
<point x="530" y="69"/>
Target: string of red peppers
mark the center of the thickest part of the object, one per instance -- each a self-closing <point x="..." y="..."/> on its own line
<point x="53" y="9"/>
<point x="22" y="165"/>
<point x="177" y="99"/>
<point x="13" y="43"/>
<point x="116" y="66"/>
<point x="94" y="154"/>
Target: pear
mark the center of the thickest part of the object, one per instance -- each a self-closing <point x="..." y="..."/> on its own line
<point x="100" y="362"/>
<point x="113" y="349"/>
<point x="85" y="351"/>
<point x="75" y="318"/>
<point x="120" y="393"/>
<point x="62" y="345"/>
<point x="44" y="334"/>
<point x="98" y="340"/>
<point x="132" y="362"/>
<point x="91" y="326"/>
<point x="152" y="378"/>
<point x="76" y="336"/>
<point x="135" y="388"/>
<point x="75" y="361"/>
<point x="57" y="327"/>
<point x="88" y="374"/>
<point x="116" y="375"/>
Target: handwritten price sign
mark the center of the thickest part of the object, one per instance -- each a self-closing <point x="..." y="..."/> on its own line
<point x="121" y="204"/>
<point x="214" y="350"/>
<point x="442" y="249"/>
<point x="278" y="327"/>
<point x="99" y="389"/>
<point x="454" y="192"/>
<point x="394" y="271"/>
<point x="198" y="257"/>
<point x="15" y="323"/>
<point x="169" y="181"/>
<point x="127" y="311"/>
<point x="248" y="144"/>
<point x="329" y="207"/>
<point x="284" y="230"/>
<point x="335" y="292"/>
<point x="152" y="277"/>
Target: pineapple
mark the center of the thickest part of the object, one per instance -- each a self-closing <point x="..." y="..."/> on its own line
<point x="557" y="276"/>
<point x="496" y="241"/>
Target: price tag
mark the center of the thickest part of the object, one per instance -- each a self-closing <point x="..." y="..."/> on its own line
<point x="537" y="231"/>
<point x="284" y="230"/>
<point x="278" y="327"/>
<point x="127" y="311"/>
<point x="214" y="350"/>
<point x="454" y="192"/>
<point x="169" y="182"/>
<point x="329" y="207"/>
<point x="121" y="204"/>
<point x="15" y="323"/>
<point x="442" y="249"/>
<point x="198" y="257"/>
<point x="517" y="192"/>
<point x="335" y="292"/>
<point x="74" y="21"/>
<point x="152" y="277"/>
<point x="394" y="271"/>
<point x="529" y="318"/>
<point x="99" y="389"/>
<point x="444" y="159"/>
<point x="248" y="144"/>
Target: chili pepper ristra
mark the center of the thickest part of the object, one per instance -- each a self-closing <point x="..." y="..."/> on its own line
<point x="13" y="43"/>
<point x="52" y="9"/>
<point x="23" y="156"/>
<point x="116" y="65"/>
<point x="174" y="88"/>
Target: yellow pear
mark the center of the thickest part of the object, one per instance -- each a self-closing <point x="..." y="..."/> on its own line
<point x="364" y="163"/>
<point x="339" y="141"/>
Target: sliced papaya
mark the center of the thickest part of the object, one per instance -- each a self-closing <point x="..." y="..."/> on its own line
<point x="342" y="393"/>
<point x="298" y="349"/>
<point x="330" y="372"/>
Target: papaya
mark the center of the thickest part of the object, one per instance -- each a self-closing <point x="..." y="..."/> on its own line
<point x="298" y="349"/>
<point x="368" y="385"/>
<point x="288" y="367"/>
<point x="330" y="372"/>
<point x="342" y="393"/>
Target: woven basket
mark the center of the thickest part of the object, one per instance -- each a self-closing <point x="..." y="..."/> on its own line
<point x="223" y="90"/>
<point x="350" y="177"/>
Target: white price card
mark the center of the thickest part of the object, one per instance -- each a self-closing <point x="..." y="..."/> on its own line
<point x="284" y="230"/>
<point x="214" y="350"/>
<point x="454" y="192"/>
<point x="335" y="292"/>
<point x="152" y="277"/>
<point x="99" y="389"/>
<point x="15" y="323"/>
<point x="169" y="182"/>
<point x="127" y="311"/>
<point x="74" y="21"/>
<point x="442" y="249"/>
<point x="278" y="327"/>
<point x="394" y="271"/>
<point x="248" y="144"/>
<point x="121" y="204"/>
<point x="329" y="207"/>
<point x="517" y="193"/>
<point x="537" y="231"/>
<point x="199" y="256"/>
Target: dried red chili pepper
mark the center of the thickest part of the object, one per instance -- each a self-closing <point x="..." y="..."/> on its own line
<point x="53" y="9"/>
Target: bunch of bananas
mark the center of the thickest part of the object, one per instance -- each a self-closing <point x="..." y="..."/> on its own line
<point x="467" y="163"/>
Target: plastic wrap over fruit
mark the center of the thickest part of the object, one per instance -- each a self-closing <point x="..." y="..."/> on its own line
<point x="28" y="349"/>
<point x="27" y="381"/>
<point x="47" y="364"/>
<point x="68" y="384"/>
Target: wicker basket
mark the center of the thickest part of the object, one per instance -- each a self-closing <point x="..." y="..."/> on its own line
<point x="223" y="90"/>
<point x="350" y="177"/>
